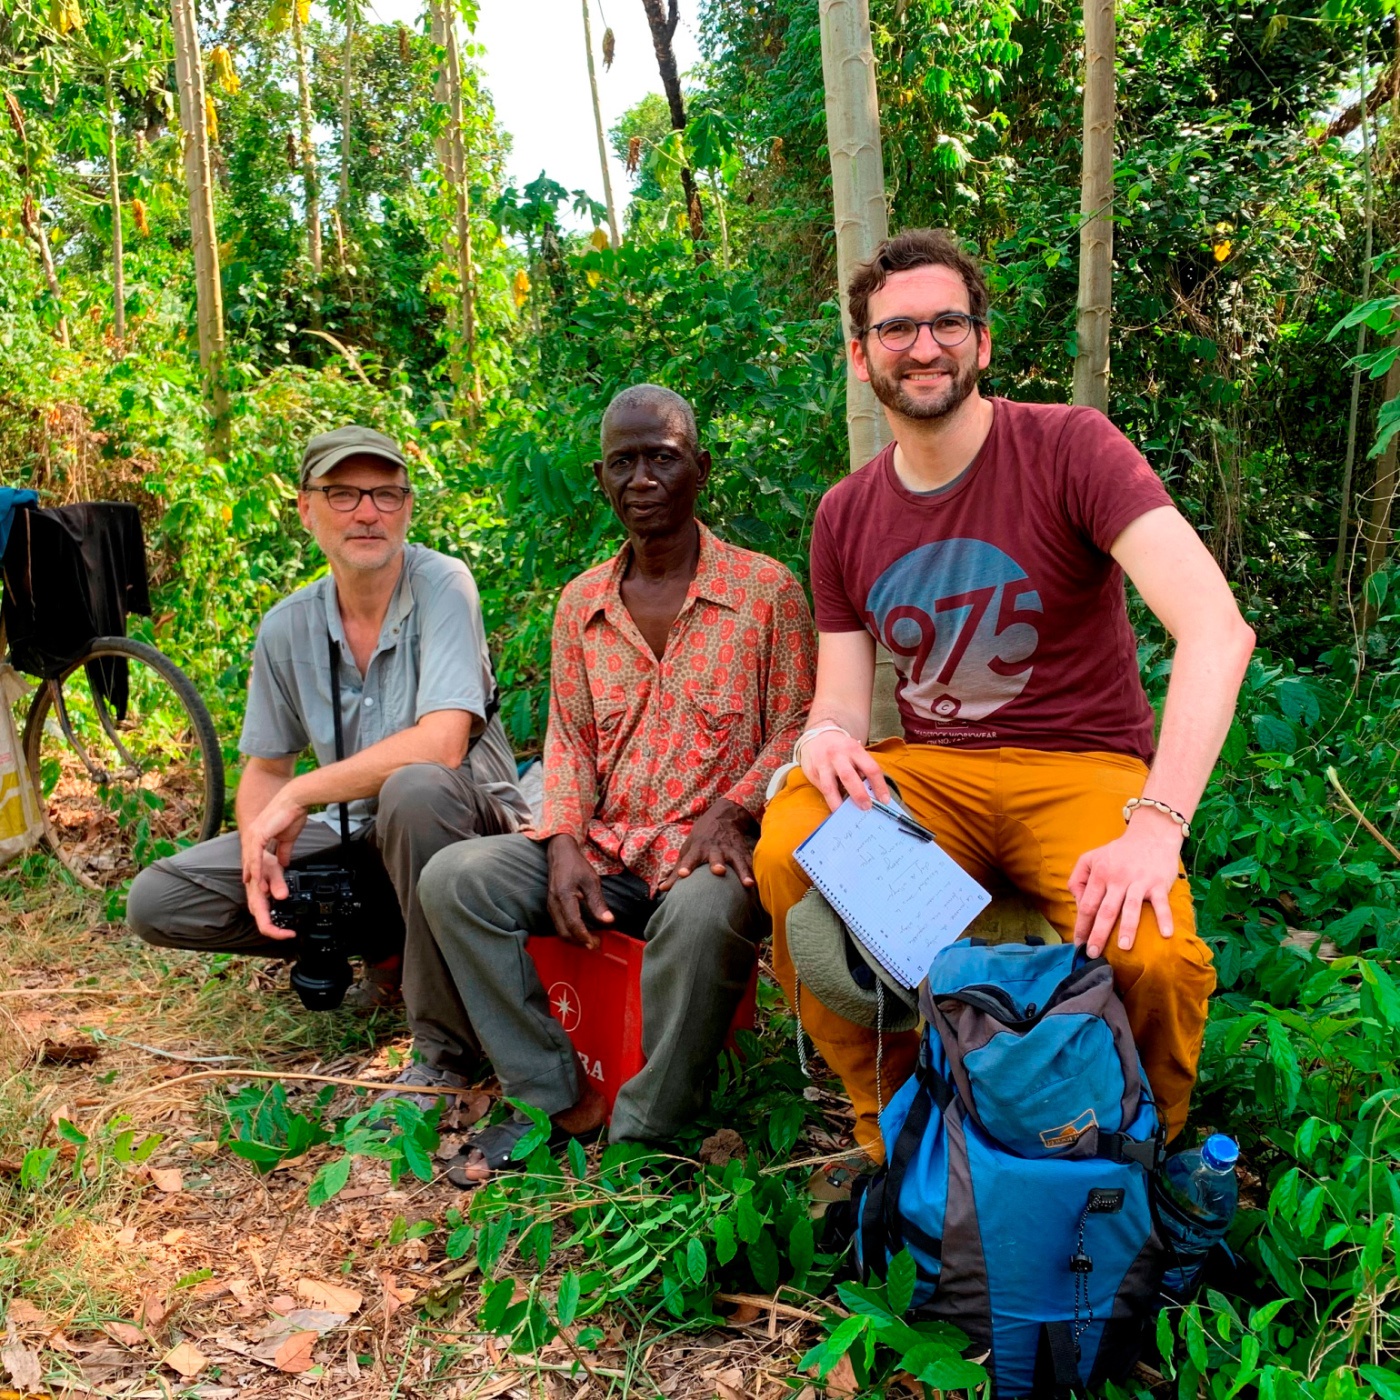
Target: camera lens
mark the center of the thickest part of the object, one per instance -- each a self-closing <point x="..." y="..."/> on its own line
<point x="321" y="982"/>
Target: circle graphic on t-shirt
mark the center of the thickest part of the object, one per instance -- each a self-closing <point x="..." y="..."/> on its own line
<point x="953" y="615"/>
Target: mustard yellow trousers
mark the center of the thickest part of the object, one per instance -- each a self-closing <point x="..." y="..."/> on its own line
<point x="1009" y="817"/>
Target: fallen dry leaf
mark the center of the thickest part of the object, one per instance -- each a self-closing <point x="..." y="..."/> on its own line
<point x="186" y="1358"/>
<point x="24" y="1314"/>
<point x="841" y="1379"/>
<point x="168" y="1179"/>
<point x="744" y="1314"/>
<point x="283" y="1303"/>
<point x="316" y="1320"/>
<point x="153" y="1309"/>
<point x="23" y="1366"/>
<point x="294" y="1355"/>
<point x="729" y="1384"/>
<point x="330" y="1296"/>
<point x="395" y="1295"/>
<point x="125" y="1333"/>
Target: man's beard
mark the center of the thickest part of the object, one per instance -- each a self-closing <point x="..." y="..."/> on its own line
<point x="889" y="389"/>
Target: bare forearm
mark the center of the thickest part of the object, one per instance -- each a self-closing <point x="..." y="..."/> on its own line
<point x="1205" y="682"/>
<point x="257" y="787"/>
<point x="364" y="773"/>
<point x="845" y="678"/>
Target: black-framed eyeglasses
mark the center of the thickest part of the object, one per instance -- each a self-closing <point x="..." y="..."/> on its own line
<point x="949" y="330"/>
<point x="344" y="499"/>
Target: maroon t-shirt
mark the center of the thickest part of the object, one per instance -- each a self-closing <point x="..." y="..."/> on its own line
<point x="998" y="597"/>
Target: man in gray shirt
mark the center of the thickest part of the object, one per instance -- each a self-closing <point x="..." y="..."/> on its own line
<point x="427" y="762"/>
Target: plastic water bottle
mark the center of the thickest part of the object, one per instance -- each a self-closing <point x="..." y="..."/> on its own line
<point x="1196" y="1199"/>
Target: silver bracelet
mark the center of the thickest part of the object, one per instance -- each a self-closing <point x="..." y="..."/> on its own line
<point x="825" y="727"/>
<point x="1134" y="803"/>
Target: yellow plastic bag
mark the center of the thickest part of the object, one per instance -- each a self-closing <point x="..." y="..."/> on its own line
<point x="21" y="823"/>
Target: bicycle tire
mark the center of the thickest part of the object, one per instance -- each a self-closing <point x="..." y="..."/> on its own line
<point x="205" y="745"/>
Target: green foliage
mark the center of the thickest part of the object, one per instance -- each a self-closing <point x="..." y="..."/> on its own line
<point x="263" y="1130"/>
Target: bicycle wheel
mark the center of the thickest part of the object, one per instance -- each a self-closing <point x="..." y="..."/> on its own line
<point x="121" y="786"/>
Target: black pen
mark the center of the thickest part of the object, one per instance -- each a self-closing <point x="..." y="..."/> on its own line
<point x="906" y="823"/>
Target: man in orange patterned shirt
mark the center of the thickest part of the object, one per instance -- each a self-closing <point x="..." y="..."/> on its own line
<point x="682" y="670"/>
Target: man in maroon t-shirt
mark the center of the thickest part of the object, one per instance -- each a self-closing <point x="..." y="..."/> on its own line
<point x="986" y="549"/>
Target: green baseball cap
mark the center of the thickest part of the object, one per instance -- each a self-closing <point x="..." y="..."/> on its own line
<point x="327" y="450"/>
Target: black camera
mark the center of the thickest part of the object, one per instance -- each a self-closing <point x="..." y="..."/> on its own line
<point x="326" y="912"/>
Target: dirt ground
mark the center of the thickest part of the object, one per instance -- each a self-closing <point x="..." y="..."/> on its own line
<point x="188" y="1273"/>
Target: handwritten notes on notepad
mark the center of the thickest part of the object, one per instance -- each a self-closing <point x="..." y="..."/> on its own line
<point x="901" y="896"/>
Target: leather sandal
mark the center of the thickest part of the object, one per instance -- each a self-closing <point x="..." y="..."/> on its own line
<point x="497" y="1146"/>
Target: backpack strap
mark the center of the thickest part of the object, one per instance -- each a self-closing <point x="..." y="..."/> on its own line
<point x="936" y="1093"/>
<point x="1119" y="1147"/>
<point x="882" y="1229"/>
<point x="1056" y="1363"/>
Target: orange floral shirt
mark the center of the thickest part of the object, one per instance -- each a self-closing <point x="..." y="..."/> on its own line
<point x="637" y="748"/>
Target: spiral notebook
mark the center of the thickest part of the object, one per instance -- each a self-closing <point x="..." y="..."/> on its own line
<point x="903" y="897"/>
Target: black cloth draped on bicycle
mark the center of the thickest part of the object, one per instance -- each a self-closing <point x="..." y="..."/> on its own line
<point x="73" y="573"/>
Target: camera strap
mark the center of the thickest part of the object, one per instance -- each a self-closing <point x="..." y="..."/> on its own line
<point x="333" y="648"/>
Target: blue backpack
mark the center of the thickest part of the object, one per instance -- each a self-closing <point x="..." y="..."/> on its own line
<point x="1018" y="1157"/>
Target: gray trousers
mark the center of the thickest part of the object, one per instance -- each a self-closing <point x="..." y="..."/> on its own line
<point x="483" y="899"/>
<point x="195" y="899"/>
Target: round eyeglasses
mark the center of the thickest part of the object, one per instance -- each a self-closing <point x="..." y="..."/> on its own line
<point x="948" y="330"/>
<point x="344" y="499"/>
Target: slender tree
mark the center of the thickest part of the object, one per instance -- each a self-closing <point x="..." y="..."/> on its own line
<point x="297" y="12"/>
<point x="114" y="196"/>
<point x="347" y="96"/>
<point x="598" y="126"/>
<point x="452" y="156"/>
<point x="857" y="186"/>
<point x="862" y="221"/>
<point x="663" y="29"/>
<point x="199" y="185"/>
<point x="1339" y="559"/>
<point x="1096" y="208"/>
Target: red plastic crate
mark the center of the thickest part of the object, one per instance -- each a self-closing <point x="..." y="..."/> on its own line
<point x="596" y="995"/>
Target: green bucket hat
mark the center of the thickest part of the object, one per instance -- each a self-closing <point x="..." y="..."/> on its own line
<point x="831" y="963"/>
<point x="327" y="450"/>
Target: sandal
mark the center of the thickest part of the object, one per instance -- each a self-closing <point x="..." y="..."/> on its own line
<point x="497" y="1146"/>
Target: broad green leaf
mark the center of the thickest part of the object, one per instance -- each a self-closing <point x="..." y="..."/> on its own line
<point x="725" y="1246"/>
<point x="899" y="1285"/>
<point x="763" y="1260"/>
<point x="329" y="1181"/>
<point x="539" y="1133"/>
<point x="697" y="1265"/>
<point x="567" y="1306"/>
<point x="459" y="1241"/>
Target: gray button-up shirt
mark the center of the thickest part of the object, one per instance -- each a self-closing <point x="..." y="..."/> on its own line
<point x="431" y="656"/>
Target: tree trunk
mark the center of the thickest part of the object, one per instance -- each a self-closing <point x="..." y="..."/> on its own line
<point x="30" y="221"/>
<point x="1379" y="532"/>
<point x="310" y="179"/>
<point x="466" y="273"/>
<point x="115" y="196"/>
<point x="209" y="304"/>
<point x="615" y="237"/>
<point x="857" y="187"/>
<point x="663" y="27"/>
<point x="442" y="144"/>
<point x="347" y="69"/>
<point x="1339" y="560"/>
<point x="862" y="222"/>
<point x="1096" y="208"/>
